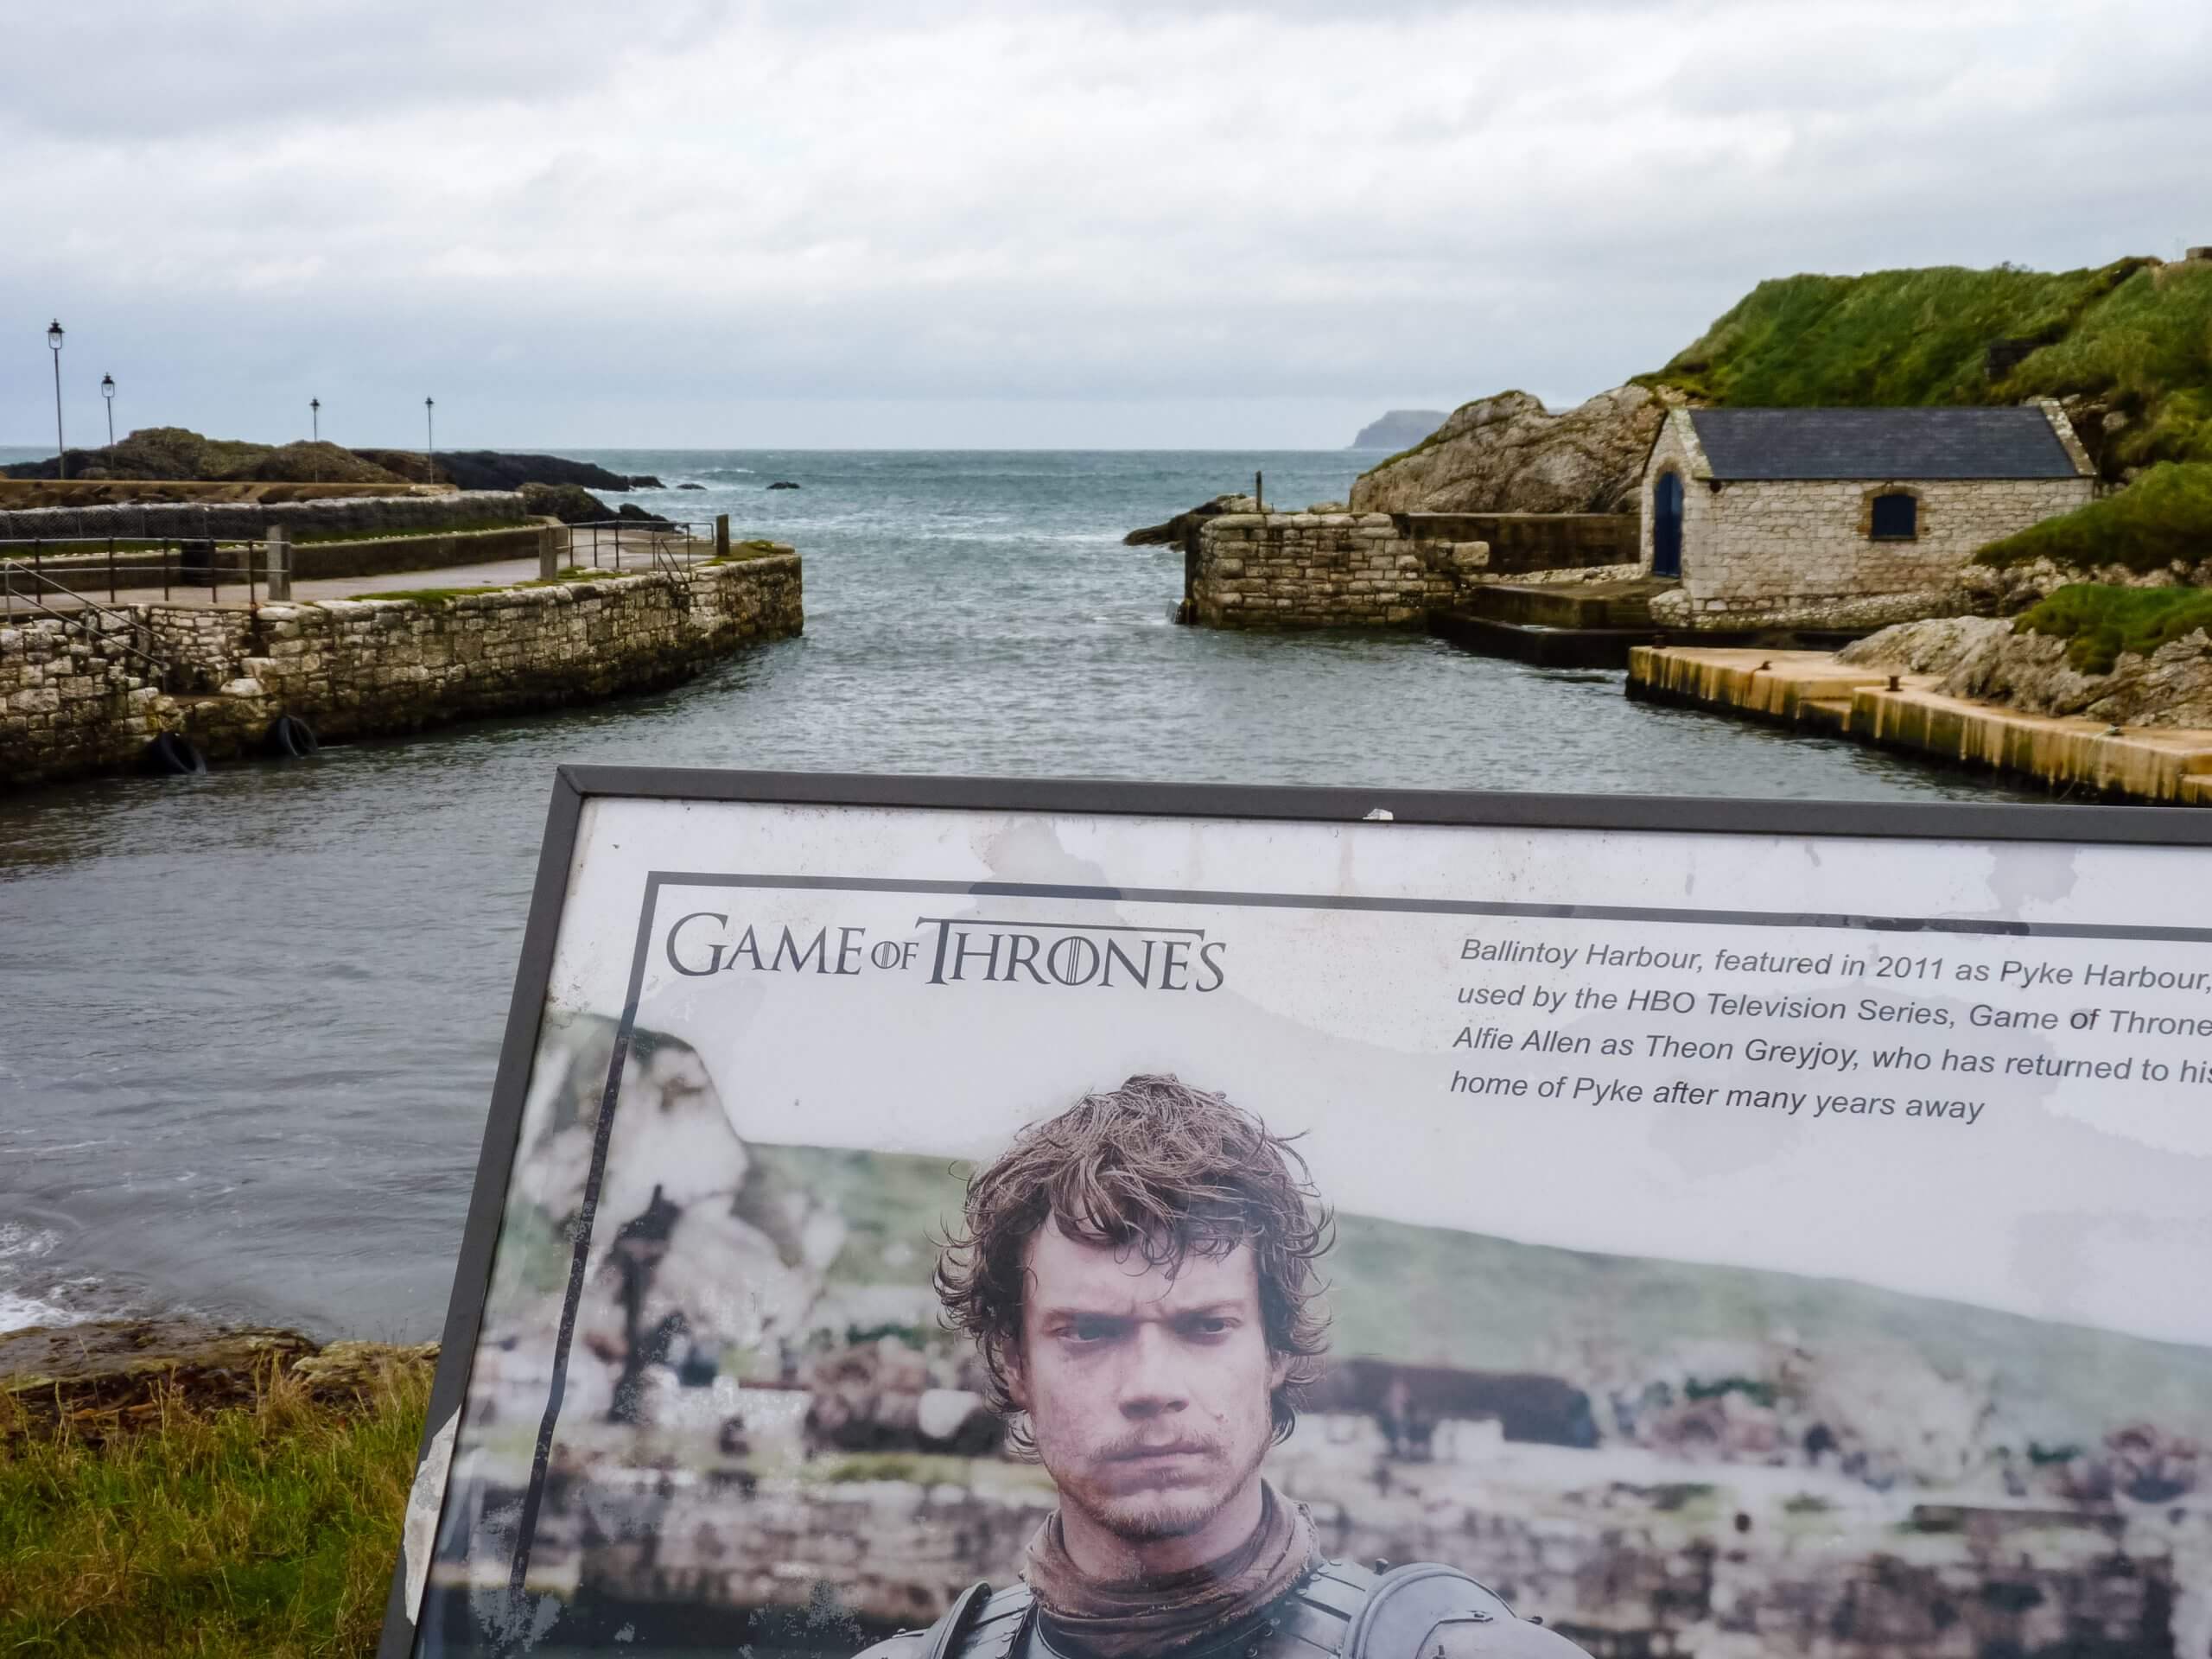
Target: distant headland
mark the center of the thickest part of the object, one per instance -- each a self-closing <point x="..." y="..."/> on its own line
<point x="1401" y="428"/>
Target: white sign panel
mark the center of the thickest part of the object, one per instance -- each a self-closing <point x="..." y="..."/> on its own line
<point x="1160" y="1205"/>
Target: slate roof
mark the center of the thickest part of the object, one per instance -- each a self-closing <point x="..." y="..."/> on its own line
<point x="1880" y="443"/>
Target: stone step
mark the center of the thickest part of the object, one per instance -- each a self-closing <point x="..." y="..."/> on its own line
<point x="1545" y="646"/>
<point x="1566" y="605"/>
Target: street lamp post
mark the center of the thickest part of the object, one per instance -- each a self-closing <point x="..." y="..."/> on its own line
<point x="61" y="448"/>
<point x="107" y="390"/>
<point x="430" y="443"/>
<point x="315" y="433"/>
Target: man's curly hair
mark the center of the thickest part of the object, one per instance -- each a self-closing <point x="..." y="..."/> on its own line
<point x="1165" y="1171"/>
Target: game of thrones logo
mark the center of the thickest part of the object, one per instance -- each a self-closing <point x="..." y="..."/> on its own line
<point x="954" y="950"/>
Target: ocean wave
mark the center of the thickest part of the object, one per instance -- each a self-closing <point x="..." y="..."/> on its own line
<point x="25" y="1312"/>
<point x="20" y="1243"/>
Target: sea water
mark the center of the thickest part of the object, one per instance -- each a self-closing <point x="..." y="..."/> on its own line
<point x="249" y="1021"/>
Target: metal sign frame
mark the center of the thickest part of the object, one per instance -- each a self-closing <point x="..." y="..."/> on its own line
<point x="1900" y="822"/>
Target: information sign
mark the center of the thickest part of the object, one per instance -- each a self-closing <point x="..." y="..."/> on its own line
<point x="1689" y="1224"/>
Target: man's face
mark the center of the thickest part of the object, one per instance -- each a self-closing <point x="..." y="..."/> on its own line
<point x="1147" y="1396"/>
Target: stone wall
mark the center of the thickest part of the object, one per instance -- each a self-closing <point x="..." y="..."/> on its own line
<point x="1324" y="569"/>
<point x="73" y="699"/>
<point x="1528" y="543"/>
<point x="1793" y="553"/>
<point x="241" y="521"/>
<point x="1308" y="571"/>
<point x="73" y="702"/>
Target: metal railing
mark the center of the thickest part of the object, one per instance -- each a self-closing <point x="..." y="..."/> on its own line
<point x="620" y="545"/>
<point x="120" y="563"/>
<point x="32" y="587"/>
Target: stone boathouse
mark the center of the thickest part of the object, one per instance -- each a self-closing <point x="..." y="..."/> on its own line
<point x="1847" y="519"/>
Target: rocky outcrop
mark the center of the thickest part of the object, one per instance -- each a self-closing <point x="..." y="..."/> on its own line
<point x="1934" y="646"/>
<point x="1509" y="454"/>
<point x="1401" y="428"/>
<point x="177" y="453"/>
<point x="1982" y="657"/>
<point x="2006" y="589"/>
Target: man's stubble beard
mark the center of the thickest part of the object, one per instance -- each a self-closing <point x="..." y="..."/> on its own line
<point x="1154" y="1517"/>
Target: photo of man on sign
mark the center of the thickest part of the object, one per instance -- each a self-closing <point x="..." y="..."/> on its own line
<point x="1140" y="1276"/>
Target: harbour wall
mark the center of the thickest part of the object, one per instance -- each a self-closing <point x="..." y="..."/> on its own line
<point x="302" y="519"/>
<point x="82" y="697"/>
<point x="1293" y="570"/>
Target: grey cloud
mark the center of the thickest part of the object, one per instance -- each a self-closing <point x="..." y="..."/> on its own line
<point x="560" y="216"/>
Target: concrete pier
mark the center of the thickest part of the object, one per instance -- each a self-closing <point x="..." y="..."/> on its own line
<point x="1812" y="689"/>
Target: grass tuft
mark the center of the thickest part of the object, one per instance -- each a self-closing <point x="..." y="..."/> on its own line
<point x="268" y="1529"/>
<point x="2162" y="518"/>
<point x="2103" y="622"/>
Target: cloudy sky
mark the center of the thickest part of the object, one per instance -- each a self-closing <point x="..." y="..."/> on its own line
<point x="847" y="224"/>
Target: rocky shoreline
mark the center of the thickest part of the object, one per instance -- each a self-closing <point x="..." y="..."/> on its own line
<point x="1988" y="660"/>
<point x="115" y="1373"/>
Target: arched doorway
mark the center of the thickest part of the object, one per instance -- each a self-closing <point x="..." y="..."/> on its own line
<point x="1667" y="524"/>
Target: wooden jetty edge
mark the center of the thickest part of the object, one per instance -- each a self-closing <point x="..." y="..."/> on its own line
<point x="1812" y="690"/>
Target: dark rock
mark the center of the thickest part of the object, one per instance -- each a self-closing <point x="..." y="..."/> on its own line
<point x="570" y="503"/>
<point x="1183" y="523"/>
<point x="688" y="486"/>
<point x="783" y="484"/>
<point x="646" y="481"/>
<point x="487" y="469"/>
<point x="631" y="513"/>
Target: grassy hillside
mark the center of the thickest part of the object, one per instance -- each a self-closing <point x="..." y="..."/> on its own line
<point x="1437" y="1296"/>
<point x="2164" y="518"/>
<point x="2133" y="337"/>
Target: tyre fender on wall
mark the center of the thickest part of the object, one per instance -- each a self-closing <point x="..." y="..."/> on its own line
<point x="289" y="738"/>
<point x="170" y="755"/>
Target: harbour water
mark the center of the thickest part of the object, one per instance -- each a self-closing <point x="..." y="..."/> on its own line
<point x="248" y="1021"/>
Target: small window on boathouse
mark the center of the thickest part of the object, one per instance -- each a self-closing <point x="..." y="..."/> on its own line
<point x="1897" y="518"/>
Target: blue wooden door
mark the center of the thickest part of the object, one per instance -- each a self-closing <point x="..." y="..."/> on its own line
<point x="1667" y="525"/>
